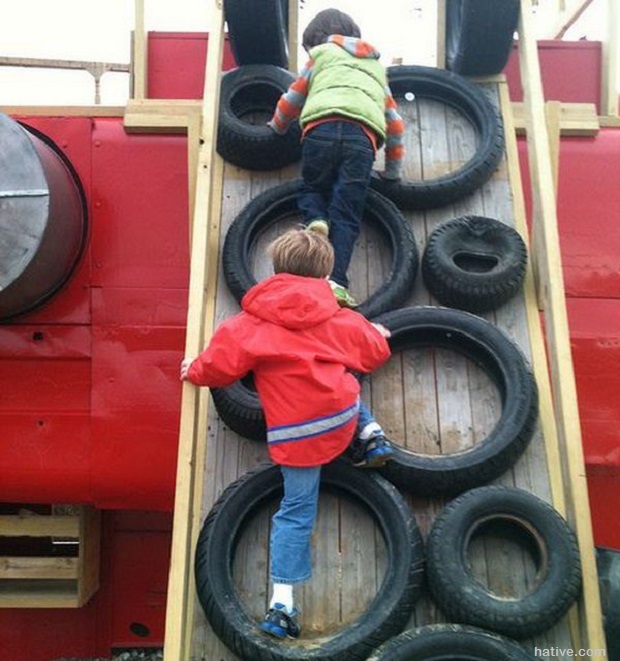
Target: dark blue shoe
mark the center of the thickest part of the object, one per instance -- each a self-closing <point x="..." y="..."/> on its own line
<point x="373" y="453"/>
<point x="280" y="624"/>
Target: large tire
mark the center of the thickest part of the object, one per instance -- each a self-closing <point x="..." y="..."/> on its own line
<point x="240" y="410"/>
<point x="258" y="31"/>
<point x="492" y="350"/>
<point x="479" y="35"/>
<point x="280" y="201"/>
<point x="450" y="642"/>
<point x="250" y="94"/>
<point x="387" y="614"/>
<point x="474" y="263"/>
<point x="453" y="90"/>
<point x="608" y="566"/>
<point x="465" y="600"/>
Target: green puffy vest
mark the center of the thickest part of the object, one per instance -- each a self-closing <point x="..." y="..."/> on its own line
<point x="342" y="84"/>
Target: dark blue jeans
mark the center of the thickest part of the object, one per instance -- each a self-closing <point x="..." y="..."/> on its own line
<point x="337" y="159"/>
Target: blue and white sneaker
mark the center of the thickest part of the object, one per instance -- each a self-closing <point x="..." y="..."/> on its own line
<point x="372" y="453"/>
<point x="280" y="624"/>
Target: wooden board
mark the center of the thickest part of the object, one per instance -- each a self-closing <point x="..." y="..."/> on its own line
<point x="434" y="400"/>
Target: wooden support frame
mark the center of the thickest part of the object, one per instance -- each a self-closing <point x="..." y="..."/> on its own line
<point x="51" y="581"/>
<point x="192" y="436"/>
<point x="556" y="323"/>
<point x="611" y="61"/>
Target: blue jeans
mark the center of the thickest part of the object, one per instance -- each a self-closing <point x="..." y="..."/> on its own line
<point x="293" y="523"/>
<point x="336" y="165"/>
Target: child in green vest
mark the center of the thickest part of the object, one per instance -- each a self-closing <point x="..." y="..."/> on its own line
<point x="346" y="112"/>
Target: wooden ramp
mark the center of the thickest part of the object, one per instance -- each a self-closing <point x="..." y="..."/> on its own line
<point x="431" y="399"/>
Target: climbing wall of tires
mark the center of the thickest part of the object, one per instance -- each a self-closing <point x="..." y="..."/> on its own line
<point x="452" y="550"/>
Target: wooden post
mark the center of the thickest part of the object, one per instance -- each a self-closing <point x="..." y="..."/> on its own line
<point x="293" y="35"/>
<point x="441" y="34"/>
<point x="192" y="435"/>
<point x="139" y="59"/>
<point x="611" y="61"/>
<point x="557" y="332"/>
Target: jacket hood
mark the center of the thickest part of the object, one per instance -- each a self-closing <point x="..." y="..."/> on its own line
<point x="292" y="301"/>
<point x="354" y="46"/>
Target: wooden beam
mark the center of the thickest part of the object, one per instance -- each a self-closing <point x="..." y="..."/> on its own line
<point x="441" y="34"/>
<point x="38" y="568"/>
<point x="63" y="111"/>
<point x="39" y="525"/>
<point x="192" y="435"/>
<point x="293" y="35"/>
<point x="610" y="70"/>
<point x="139" y="53"/>
<point x="576" y="119"/>
<point x="160" y="116"/>
<point x="556" y="325"/>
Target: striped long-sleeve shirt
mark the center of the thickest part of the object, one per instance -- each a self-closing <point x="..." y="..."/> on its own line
<point x="344" y="79"/>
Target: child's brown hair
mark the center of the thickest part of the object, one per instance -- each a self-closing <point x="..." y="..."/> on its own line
<point x="326" y="23"/>
<point x="302" y="252"/>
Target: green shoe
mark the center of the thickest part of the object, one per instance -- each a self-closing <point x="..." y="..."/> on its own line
<point x="319" y="225"/>
<point x="344" y="299"/>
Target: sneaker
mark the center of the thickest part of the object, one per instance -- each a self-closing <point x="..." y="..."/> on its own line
<point x="319" y="225"/>
<point x="281" y="624"/>
<point x="344" y="299"/>
<point x="372" y="453"/>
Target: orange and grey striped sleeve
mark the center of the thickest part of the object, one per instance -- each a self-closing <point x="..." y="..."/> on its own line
<point x="292" y="101"/>
<point x="394" y="148"/>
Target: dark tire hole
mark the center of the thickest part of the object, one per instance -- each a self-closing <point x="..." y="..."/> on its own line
<point x="473" y="263"/>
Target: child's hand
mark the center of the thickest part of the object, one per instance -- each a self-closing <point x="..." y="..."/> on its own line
<point x="386" y="332"/>
<point x="185" y="365"/>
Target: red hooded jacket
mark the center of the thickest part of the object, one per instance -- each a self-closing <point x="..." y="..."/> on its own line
<point x="301" y="347"/>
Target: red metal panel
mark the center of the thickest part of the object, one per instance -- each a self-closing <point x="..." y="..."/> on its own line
<point x="595" y="342"/>
<point x="136" y="396"/>
<point x="140" y="209"/>
<point x="570" y="71"/>
<point x="588" y="216"/>
<point x="177" y="64"/>
<point x="604" y="491"/>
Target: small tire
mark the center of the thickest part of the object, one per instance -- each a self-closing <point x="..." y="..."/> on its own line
<point x="479" y="35"/>
<point x="389" y="610"/>
<point x="491" y="349"/>
<point x="449" y="642"/>
<point x="248" y="92"/>
<point x="474" y="263"/>
<point x="455" y="91"/>
<point x="465" y="600"/>
<point x="258" y="31"/>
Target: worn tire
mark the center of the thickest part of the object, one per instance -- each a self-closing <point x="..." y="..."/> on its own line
<point x="608" y="566"/>
<point x="474" y="263"/>
<point x="449" y="642"/>
<point x="258" y="31"/>
<point x="280" y="201"/>
<point x="453" y="90"/>
<point x="240" y="410"/>
<point x="492" y="350"/>
<point x="479" y="35"/>
<point x="247" y="92"/>
<point x="465" y="600"/>
<point x="389" y="610"/>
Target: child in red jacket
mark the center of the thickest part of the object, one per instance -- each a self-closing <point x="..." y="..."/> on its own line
<point x="302" y="348"/>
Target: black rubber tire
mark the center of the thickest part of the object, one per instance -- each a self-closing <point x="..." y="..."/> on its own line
<point x="450" y="642"/>
<point x="493" y="351"/>
<point x="280" y="201"/>
<point x="255" y="88"/>
<point x="474" y="263"/>
<point x="453" y="90"/>
<point x="465" y="600"/>
<point x="258" y="31"/>
<point x="479" y="35"/>
<point x="386" y="615"/>
<point x="240" y="410"/>
<point x="608" y="566"/>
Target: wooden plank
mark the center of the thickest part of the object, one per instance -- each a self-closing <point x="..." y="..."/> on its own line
<point x="14" y="567"/>
<point x="557" y="334"/>
<point x="38" y="525"/>
<point x="193" y="427"/>
<point x="89" y="557"/>
<point x="576" y="119"/>
<point x="293" y="35"/>
<point x="63" y="111"/>
<point x="38" y="594"/>
<point x="139" y="54"/>
<point x="611" y="61"/>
